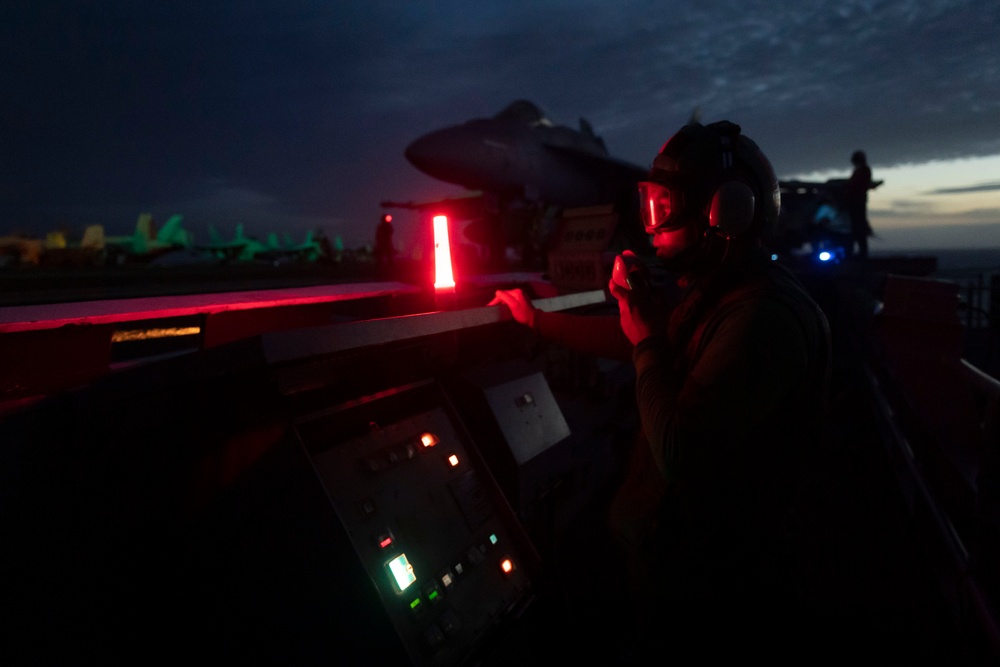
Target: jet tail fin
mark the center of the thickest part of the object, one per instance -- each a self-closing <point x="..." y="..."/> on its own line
<point x="144" y="226"/>
<point x="588" y="130"/>
<point x="172" y="232"/>
<point x="93" y="237"/>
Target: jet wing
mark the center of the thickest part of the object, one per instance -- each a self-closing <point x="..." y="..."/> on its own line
<point x="605" y="165"/>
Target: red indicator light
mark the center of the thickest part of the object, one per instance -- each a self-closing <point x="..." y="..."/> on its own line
<point x="507" y="565"/>
<point x="443" y="276"/>
<point x="384" y="538"/>
<point x="453" y="460"/>
<point x="428" y="440"/>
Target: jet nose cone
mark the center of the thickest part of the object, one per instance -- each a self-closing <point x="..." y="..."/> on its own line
<point x="452" y="154"/>
<point x="420" y="153"/>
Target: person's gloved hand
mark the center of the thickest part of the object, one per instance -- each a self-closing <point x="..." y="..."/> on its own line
<point x="520" y="306"/>
<point x="630" y="285"/>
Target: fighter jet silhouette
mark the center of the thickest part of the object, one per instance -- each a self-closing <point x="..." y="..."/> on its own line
<point x="519" y="154"/>
<point x="520" y="161"/>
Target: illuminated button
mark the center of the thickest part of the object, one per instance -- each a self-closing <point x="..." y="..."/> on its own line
<point x="428" y="440"/>
<point x="384" y="538"/>
<point x="401" y="571"/>
<point x="433" y="593"/>
<point x="416" y="606"/>
<point x="494" y="539"/>
<point x="409" y="451"/>
<point x="453" y="460"/>
<point x="447" y="579"/>
<point x="459" y="569"/>
<point x="507" y="566"/>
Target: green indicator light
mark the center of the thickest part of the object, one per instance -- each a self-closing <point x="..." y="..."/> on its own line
<point x="493" y="538"/>
<point x="433" y="595"/>
<point x="415" y="603"/>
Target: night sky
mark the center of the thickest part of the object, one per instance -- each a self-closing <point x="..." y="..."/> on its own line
<point x="293" y="115"/>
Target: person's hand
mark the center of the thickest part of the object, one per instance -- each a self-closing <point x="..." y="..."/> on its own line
<point x="519" y="305"/>
<point x="876" y="184"/>
<point x="629" y="284"/>
<point x="630" y="273"/>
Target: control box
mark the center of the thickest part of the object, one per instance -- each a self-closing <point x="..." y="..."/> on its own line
<point x="445" y="553"/>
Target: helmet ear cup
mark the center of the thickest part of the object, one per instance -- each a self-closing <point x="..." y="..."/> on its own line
<point x="731" y="211"/>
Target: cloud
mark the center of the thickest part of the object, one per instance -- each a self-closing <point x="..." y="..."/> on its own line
<point x="982" y="187"/>
<point x="311" y="102"/>
<point x="903" y="208"/>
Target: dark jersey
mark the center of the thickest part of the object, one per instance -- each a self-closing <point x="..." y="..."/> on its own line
<point x="729" y="397"/>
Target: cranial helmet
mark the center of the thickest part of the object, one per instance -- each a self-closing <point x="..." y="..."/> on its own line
<point x="713" y="177"/>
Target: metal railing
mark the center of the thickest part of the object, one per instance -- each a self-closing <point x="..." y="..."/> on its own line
<point x="972" y="603"/>
<point x="979" y="301"/>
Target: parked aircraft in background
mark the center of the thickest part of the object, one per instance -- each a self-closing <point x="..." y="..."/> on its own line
<point x="171" y="244"/>
<point x="18" y="249"/>
<point x="96" y="248"/>
<point x="239" y="247"/>
<point x="309" y="249"/>
<point x="147" y="242"/>
<point x="244" y="248"/>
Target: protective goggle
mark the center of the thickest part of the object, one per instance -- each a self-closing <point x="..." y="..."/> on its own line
<point x="657" y="202"/>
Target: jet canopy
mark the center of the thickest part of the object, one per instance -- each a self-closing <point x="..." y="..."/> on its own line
<point x="524" y="112"/>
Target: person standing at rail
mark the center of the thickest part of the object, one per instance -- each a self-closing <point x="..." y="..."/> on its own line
<point x="731" y="386"/>
<point x="856" y="197"/>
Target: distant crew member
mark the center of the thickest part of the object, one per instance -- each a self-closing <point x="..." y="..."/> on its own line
<point x="856" y="196"/>
<point x="384" y="252"/>
<point x="326" y="248"/>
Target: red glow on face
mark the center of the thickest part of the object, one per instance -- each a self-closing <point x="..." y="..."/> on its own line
<point x="443" y="276"/>
<point x="656" y="213"/>
<point x="669" y="244"/>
